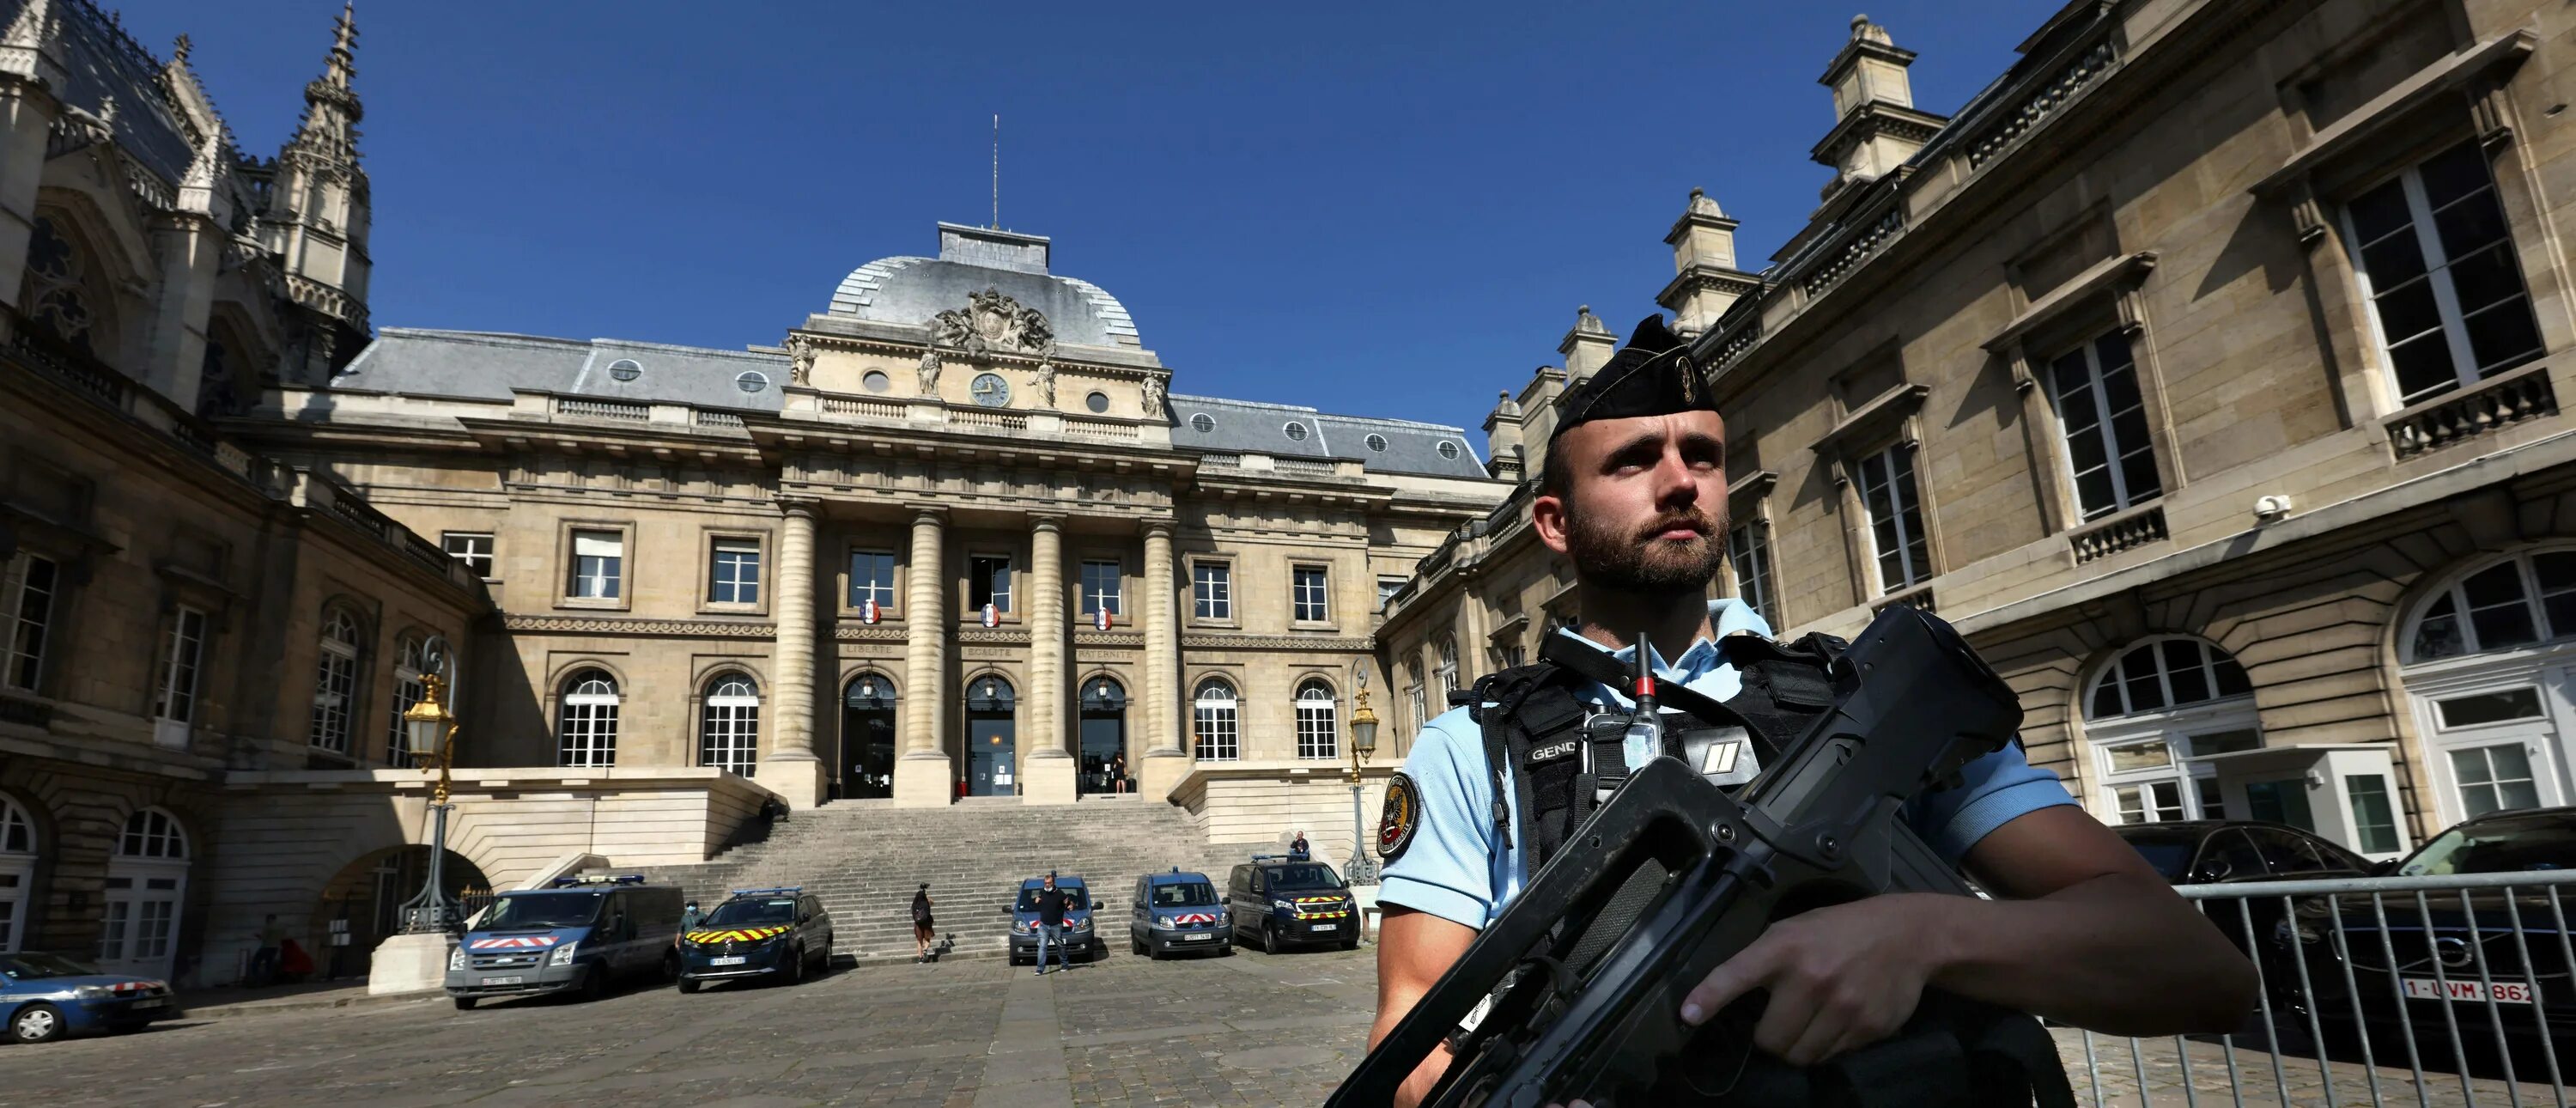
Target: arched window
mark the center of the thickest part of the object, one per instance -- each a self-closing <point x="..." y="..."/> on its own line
<point x="729" y="724"/>
<point x="2160" y="703"/>
<point x="1448" y="671"/>
<point x="1318" y="735"/>
<point x="1214" y="722"/>
<point x="2504" y="634"/>
<point x="410" y="663"/>
<point x="586" y="732"/>
<point x="335" y="682"/>
<point x="2521" y="601"/>
<point x="17" y="870"/>
<point x="146" y="883"/>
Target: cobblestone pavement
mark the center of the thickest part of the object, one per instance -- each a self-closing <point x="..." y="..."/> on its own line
<point x="2298" y="1079"/>
<point x="1245" y="1030"/>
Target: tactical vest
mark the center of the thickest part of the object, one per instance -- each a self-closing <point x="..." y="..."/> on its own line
<point x="1566" y="759"/>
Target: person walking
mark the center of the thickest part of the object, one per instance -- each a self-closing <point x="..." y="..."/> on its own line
<point x="922" y="930"/>
<point x="1118" y="772"/>
<point x="1051" y="906"/>
<point x="689" y="918"/>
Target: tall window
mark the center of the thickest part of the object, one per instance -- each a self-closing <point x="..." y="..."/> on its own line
<point x="1318" y="735"/>
<point x="1307" y="595"/>
<point x="1748" y="544"/>
<point x="734" y="572"/>
<point x="2438" y="264"/>
<point x="17" y="870"/>
<point x="335" y="682"/>
<point x="988" y="581"/>
<point x="2095" y="388"/>
<point x="598" y="564"/>
<point x="1213" y="722"/>
<point x="411" y="661"/>
<point x="586" y="728"/>
<point x="31" y="615"/>
<point x="2164" y="701"/>
<point x="729" y="725"/>
<point x="474" y="548"/>
<point x="1101" y="588"/>
<point x="2521" y="601"/>
<point x="1421" y="708"/>
<point x="146" y="883"/>
<point x="872" y="578"/>
<point x="1448" y="670"/>
<point x="183" y="643"/>
<point x="1887" y="492"/>
<point x="1212" y="590"/>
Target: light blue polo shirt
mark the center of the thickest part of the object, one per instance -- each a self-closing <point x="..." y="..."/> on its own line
<point x="1452" y="869"/>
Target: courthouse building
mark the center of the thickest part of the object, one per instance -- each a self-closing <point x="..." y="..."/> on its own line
<point x="2203" y="368"/>
<point x="949" y="533"/>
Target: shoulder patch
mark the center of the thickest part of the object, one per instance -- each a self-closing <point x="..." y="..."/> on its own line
<point x="1400" y="818"/>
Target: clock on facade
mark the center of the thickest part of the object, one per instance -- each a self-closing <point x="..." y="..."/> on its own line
<point x="990" y="390"/>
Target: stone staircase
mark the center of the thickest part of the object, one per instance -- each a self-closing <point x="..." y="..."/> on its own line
<point x="865" y="858"/>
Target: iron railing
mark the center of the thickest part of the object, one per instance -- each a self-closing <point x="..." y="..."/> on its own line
<point x="2427" y="991"/>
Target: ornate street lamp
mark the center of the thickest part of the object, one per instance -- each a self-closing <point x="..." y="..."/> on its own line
<point x="1363" y="870"/>
<point x="429" y="732"/>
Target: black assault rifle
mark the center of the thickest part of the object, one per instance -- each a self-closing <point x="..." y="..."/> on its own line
<point x="1675" y="876"/>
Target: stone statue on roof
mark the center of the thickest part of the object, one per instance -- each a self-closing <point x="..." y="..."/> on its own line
<point x="930" y="372"/>
<point x="800" y="359"/>
<point x="1046" y="383"/>
<point x="1153" y="396"/>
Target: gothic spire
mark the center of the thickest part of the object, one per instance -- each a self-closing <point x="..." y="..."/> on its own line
<point x="331" y="110"/>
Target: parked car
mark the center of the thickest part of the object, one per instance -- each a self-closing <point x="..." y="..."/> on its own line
<point x="44" y="997"/>
<point x="2457" y="950"/>
<point x="1079" y="938"/>
<point x="2222" y="852"/>
<point x="1279" y="902"/>
<point x="780" y="934"/>
<point x="1177" y="912"/>
<point x="578" y="934"/>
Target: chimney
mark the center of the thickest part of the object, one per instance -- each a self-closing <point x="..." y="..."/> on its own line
<point x="1587" y="347"/>
<point x="1705" y="281"/>
<point x="1876" y="126"/>
<point x="1503" y="439"/>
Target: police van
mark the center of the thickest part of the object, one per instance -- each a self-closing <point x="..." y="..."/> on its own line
<point x="1176" y="913"/>
<point x="1278" y="902"/>
<point x="576" y="934"/>
<point x="781" y="934"/>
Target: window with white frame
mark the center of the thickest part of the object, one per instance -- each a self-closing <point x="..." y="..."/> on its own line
<point x="872" y="578"/>
<point x="1101" y="587"/>
<point x="1448" y="670"/>
<point x="586" y="722"/>
<point x="2521" y="601"/>
<point x="474" y="548"/>
<point x="988" y="581"/>
<point x="174" y="697"/>
<point x="1212" y="590"/>
<point x="335" y="683"/>
<point x="1214" y="722"/>
<point x="1318" y="734"/>
<point x="733" y="571"/>
<point x="31" y="617"/>
<point x="598" y="565"/>
<point x="1897" y="542"/>
<point x="411" y="664"/>
<point x="2437" y="261"/>
<point x="2109" y="455"/>
<point x="146" y="883"/>
<point x="2164" y="701"/>
<point x="729" y="725"/>
<point x="2494" y="778"/>
<point x="17" y="870"/>
<point x="1307" y="596"/>
<point x="1386" y="589"/>
<point x="1415" y="695"/>
<point x="1748" y="546"/>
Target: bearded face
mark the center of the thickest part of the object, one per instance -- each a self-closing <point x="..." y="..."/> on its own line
<point x="1642" y="502"/>
<point x="1676" y="552"/>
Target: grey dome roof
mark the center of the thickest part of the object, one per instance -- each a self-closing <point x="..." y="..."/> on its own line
<point x="909" y="290"/>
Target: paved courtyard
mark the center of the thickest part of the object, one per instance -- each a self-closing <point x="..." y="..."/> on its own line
<point x="1246" y="1030"/>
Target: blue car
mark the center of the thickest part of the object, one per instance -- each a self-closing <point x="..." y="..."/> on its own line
<point x="1078" y="935"/>
<point x="580" y="934"/>
<point x="44" y="997"/>
<point x="1176" y="913"/>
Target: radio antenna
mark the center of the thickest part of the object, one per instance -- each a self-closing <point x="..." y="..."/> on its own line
<point x="997" y="171"/>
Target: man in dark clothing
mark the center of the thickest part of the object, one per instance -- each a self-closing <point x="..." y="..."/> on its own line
<point x="921" y="926"/>
<point x="1297" y="849"/>
<point x="1050" y="906"/>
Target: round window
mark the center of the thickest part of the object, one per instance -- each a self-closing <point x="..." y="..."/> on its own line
<point x="1449" y="450"/>
<point x="1377" y="443"/>
<point x="877" y="381"/>
<point x="1202" y="423"/>
<point x="1098" y="401"/>
<point x="752" y="380"/>
<point x="626" y="369"/>
<point x="1296" y="432"/>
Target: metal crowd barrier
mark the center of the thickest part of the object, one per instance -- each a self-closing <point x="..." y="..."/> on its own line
<point x="2436" y="991"/>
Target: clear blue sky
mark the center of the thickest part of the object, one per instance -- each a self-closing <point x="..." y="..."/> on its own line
<point x="1384" y="209"/>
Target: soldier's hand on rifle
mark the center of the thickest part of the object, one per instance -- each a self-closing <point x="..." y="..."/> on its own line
<point x="1839" y="977"/>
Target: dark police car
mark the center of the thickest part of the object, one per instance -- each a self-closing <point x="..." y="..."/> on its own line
<point x="1281" y="902"/>
<point x="775" y="933"/>
<point x="44" y="997"/>
<point x="1078" y="934"/>
<point x="1177" y="912"/>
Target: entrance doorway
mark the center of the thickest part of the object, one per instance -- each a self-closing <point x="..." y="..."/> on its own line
<point x="147" y="881"/>
<point x="1104" y="736"/>
<point x="867" y="739"/>
<point x="992" y="743"/>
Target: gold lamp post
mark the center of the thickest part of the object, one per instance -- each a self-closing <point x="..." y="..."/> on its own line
<point x="1363" y="746"/>
<point x="429" y="733"/>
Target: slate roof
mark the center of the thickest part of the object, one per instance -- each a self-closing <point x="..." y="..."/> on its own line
<point x="479" y="365"/>
<point x="910" y="290"/>
<point x="105" y="61"/>
<point x="1244" y="426"/>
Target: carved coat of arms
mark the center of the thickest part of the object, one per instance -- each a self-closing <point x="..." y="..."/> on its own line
<point x="993" y="322"/>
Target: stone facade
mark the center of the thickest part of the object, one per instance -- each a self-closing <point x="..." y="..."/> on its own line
<point x="2173" y="221"/>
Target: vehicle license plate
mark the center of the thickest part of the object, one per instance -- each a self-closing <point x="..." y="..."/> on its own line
<point x="505" y="980"/>
<point x="1328" y="927"/>
<point x="2504" y="992"/>
<point x="1197" y="937"/>
<point x="153" y="1002"/>
<point x="734" y="960"/>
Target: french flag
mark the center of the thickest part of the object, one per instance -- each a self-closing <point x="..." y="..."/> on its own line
<point x="1100" y="619"/>
<point x="992" y="616"/>
<point x="870" y="612"/>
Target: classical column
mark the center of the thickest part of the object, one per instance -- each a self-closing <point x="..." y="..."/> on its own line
<point x="1166" y="761"/>
<point x="923" y="777"/>
<point x="1046" y="767"/>
<point x="791" y="769"/>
